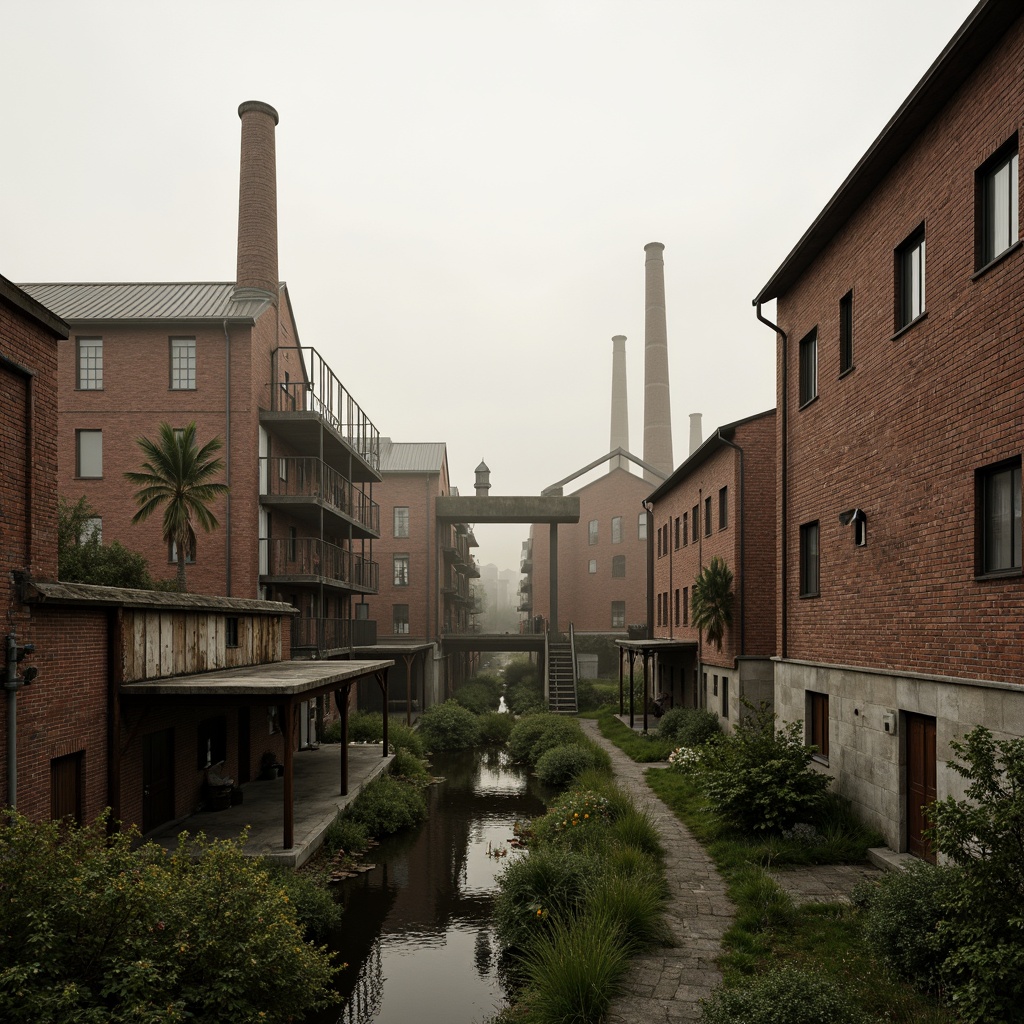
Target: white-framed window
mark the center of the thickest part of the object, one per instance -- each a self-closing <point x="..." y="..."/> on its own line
<point x="89" y="454"/>
<point x="616" y="529"/>
<point x="618" y="614"/>
<point x="618" y="566"/>
<point x="996" y="186"/>
<point x="910" y="270"/>
<point x="592" y="566"/>
<point x="92" y="530"/>
<point x="172" y="554"/>
<point x="401" y="570"/>
<point x="90" y="364"/>
<point x="401" y="521"/>
<point x="183" y="364"/>
<point x="641" y="526"/>
<point x="592" y="531"/>
<point x="400" y="618"/>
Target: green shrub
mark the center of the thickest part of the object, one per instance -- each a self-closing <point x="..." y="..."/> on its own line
<point x="634" y="904"/>
<point x="347" y="836"/>
<point x="96" y="928"/>
<point x="366" y="727"/>
<point x="449" y="726"/>
<point x="689" y="727"/>
<point x="525" y="733"/>
<point x="407" y="765"/>
<point x="593" y="694"/>
<point x="548" y="882"/>
<point x="574" y="818"/>
<point x="495" y="727"/>
<point x="316" y="911"/>
<point x="331" y="732"/>
<point x="519" y="670"/>
<point x="524" y="688"/>
<point x="558" y="766"/>
<point x="783" y="996"/>
<point x="983" y="835"/>
<point x="903" y="915"/>
<point x="476" y="696"/>
<point x="388" y="805"/>
<point x="571" y="971"/>
<point x="402" y="736"/>
<point x="760" y="778"/>
<point x="555" y="731"/>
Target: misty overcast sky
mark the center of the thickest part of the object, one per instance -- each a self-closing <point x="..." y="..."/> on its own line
<point x="464" y="188"/>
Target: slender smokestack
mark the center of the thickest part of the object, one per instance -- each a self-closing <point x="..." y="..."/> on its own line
<point x="657" y="406"/>
<point x="620" y="417"/>
<point x="696" y="434"/>
<point x="257" y="203"/>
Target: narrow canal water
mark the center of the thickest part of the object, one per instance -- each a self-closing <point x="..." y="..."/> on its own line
<point x="417" y="931"/>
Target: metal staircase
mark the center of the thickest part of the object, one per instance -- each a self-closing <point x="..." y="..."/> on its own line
<point x="561" y="663"/>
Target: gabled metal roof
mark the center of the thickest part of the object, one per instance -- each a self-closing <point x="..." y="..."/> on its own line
<point x="154" y="302"/>
<point x="411" y="457"/>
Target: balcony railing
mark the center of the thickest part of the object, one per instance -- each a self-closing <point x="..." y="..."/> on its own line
<point x="300" y="477"/>
<point x="333" y="634"/>
<point x="302" y="381"/>
<point x="317" y="560"/>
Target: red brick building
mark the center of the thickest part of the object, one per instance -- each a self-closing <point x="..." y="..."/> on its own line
<point x="719" y="502"/>
<point x="900" y="441"/>
<point x="602" y="560"/>
<point x="425" y="581"/>
<point x="300" y="455"/>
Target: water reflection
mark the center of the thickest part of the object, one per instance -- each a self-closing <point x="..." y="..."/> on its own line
<point x="417" y="931"/>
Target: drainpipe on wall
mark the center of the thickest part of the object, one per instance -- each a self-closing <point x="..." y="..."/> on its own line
<point x="227" y="459"/>
<point x="739" y="526"/>
<point x="783" y="466"/>
<point x="649" y="509"/>
<point x="700" y="569"/>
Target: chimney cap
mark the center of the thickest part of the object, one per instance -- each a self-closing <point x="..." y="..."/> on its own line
<point x="261" y="107"/>
<point x="654" y="246"/>
<point x="618" y="337"/>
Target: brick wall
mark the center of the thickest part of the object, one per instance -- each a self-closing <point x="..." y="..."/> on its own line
<point x="902" y="434"/>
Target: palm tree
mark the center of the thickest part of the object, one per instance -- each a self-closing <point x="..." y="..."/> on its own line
<point x="177" y="476"/>
<point x="712" y="600"/>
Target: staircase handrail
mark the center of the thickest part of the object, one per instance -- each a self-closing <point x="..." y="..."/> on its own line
<point x="575" y="673"/>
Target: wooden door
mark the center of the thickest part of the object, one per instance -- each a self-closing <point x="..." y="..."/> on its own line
<point x="66" y="788"/>
<point x="157" y="779"/>
<point x="920" y="782"/>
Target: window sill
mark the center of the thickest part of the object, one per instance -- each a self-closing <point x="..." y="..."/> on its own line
<point x="981" y="271"/>
<point x="806" y="597"/>
<point x="998" y="574"/>
<point x="847" y="372"/>
<point x="818" y="759"/>
<point x="913" y="323"/>
<point x="810" y="401"/>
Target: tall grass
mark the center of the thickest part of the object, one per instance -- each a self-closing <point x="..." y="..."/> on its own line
<point x="637" y="746"/>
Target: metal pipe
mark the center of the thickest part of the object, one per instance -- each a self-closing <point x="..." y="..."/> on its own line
<point x="739" y="527"/>
<point x="783" y="490"/>
<point x="227" y="459"/>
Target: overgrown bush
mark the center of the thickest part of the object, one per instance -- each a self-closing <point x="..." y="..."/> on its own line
<point x="480" y="694"/>
<point x="783" y="996"/>
<point x="689" y="727"/>
<point x="558" y="766"/>
<point x="524" y="688"/>
<point x="366" y="727"/>
<point x="346" y="836"/>
<point x="388" y="805"/>
<point x="592" y="695"/>
<point x="407" y="765"/>
<point x="449" y="726"/>
<point x="404" y="737"/>
<point x="760" y="778"/>
<point x="95" y="928"/>
<point x="316" y="910"/>
<point x="903" y="916"/>
<point x="984" y="836"/>
<point x="495" y="727"/>
<point x="534" y="734"/>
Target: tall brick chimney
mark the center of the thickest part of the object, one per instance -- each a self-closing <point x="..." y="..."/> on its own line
<point x="696" y="431"/>
<point x="256" y="275"/>
<point x="657" y="405"/>
<point x="620" y="417"/>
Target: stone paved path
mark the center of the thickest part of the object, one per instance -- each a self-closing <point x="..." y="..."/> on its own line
<point x="666" y="983"/>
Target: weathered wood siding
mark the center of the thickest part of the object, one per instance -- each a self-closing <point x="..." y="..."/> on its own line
<point x="157" y="645"/>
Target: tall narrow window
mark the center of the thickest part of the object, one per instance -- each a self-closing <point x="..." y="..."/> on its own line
<point x="676" y="608"/>
<point x="90" y="364"/>
<point x="809" y="367"/>
<point x="809" y="560"/>
<point x="846" y="333"/>
<point x="401" y="521"/>
<point x="817" y="723"/>
<point x="707" y="516"/>
<point x="677" y="534"/>
<point x="910" y="279"/>
<point x="616" y="529"/>
<point x="1000" y="517"/>
<point x="592" y="531"/>
<point x="401" y="570"/>
<point x="619" y="566"/>
<point x="686" y="528"/>
<point x="996" y="188"/>
<point x="293" y="543"/>
<point x="183" y="364"/>
<point x="693" y="523"/>
<point x="618" y="614"/>
<point x="400" y="618"/>
<point x="592" y="566"/>
<point x="641" y="526"/>
<point x="723" y="507"/>
<point x="89" y="453"/>
<point x="686" y="606"/>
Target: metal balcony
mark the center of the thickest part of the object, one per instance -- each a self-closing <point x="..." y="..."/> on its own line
<point x="311" y="561"/>
<point x="327" y="636"/>
<point x="302" y="486"/>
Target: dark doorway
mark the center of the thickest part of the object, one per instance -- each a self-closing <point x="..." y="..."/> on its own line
<point x="66" y="787"/>
<point x="157" y="779"/>
<point x="920" y="782"/>
<point x="243" y="769"/>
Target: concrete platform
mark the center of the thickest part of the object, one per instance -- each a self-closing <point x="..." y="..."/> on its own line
<point x="317" y="803"/>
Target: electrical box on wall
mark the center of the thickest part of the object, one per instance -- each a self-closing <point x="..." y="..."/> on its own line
<point x="889" y="722"/>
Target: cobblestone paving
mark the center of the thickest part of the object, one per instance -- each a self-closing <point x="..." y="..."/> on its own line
<point x="666" y="984"/>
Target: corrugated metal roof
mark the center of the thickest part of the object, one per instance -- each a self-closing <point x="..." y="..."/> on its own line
<point x="422" y="457"/>
<point x="153" y="301"/>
